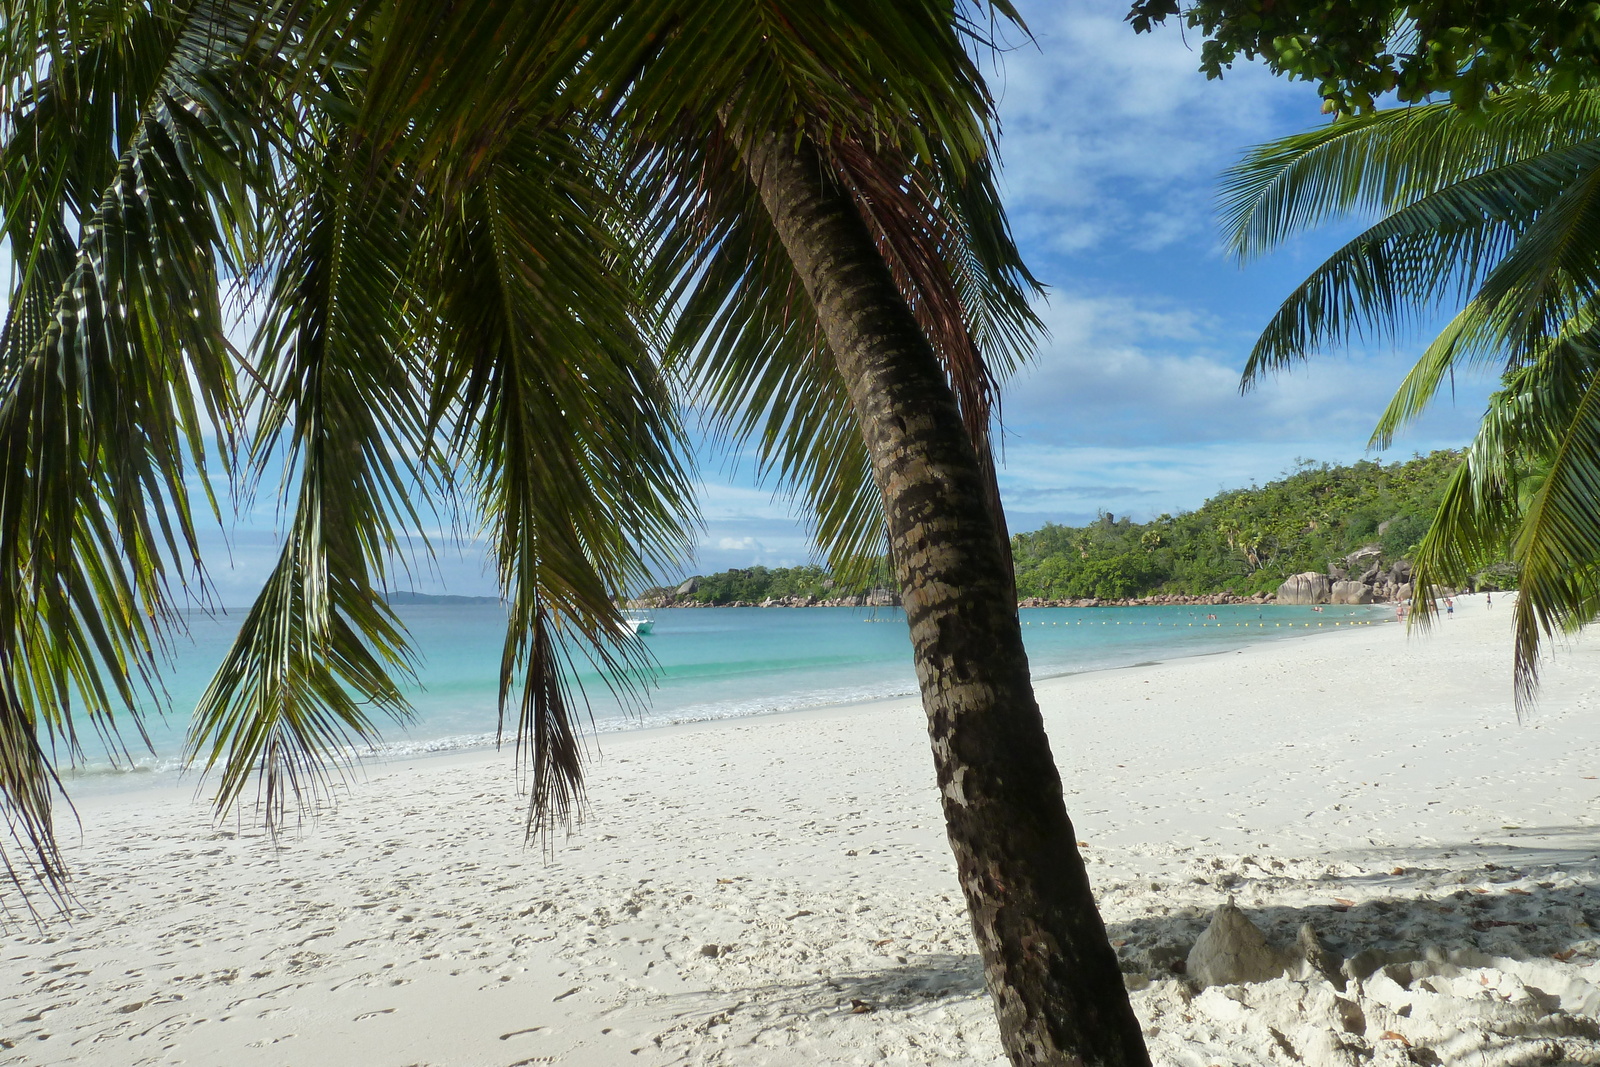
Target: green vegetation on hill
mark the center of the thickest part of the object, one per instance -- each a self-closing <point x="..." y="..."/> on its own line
<point x="755" y="584"/>
<point x="1246" y="540"/>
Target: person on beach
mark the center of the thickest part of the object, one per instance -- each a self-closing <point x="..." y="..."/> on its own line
<point x="1488" y="600"/>
<point x="1449" y="607"/>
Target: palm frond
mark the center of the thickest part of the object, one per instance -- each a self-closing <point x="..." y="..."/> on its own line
<point x="29" y="784"/>
<point x="555" y="407"/>
<point x="1557" y="547"/>
<point x="913" y="156"/>
<point x="1473" y="336"/>
<point x="1552" y="270"/>
<point x="1445" y="244"/>
<point x="117" y="182"/>
<point x="1385" y="160"/>
<point x="747" y="350"/>
<point x="293" y="700"/>
<point x="1479" y="512"/>
<point x="547" y="735"/>
<point x="1548" y="413"/>
<point x="318" y="650"/>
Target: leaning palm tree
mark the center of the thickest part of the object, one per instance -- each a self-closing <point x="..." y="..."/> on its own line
<point x="463" y="234"/>
<point x="1494" y="216"/>
<point x="845" y="191"/>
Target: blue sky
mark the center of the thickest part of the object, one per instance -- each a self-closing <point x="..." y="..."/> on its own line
<point x="1111" y="147"/>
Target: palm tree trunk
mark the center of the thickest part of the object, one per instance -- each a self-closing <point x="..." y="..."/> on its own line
<point x="1057" y="990"/>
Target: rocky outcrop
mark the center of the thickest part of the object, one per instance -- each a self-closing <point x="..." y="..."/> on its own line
<point x="790" y="602"/>
<point x="1372" y="552"/>
<point x="1393" y="584"/>
<point x="1308" y="587"/>
<point x="1350" y="593"/>
<point x="1340" y="585"/>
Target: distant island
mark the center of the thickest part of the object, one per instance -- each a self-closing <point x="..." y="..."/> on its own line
<point x="1323" y="533"/>
<point x="410" y="598"/>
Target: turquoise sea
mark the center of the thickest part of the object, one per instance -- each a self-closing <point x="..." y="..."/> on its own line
<point x="719" y="663"/>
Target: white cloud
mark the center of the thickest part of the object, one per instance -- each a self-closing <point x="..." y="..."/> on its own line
<point x="1114" y="137"/>
<point x="1134" y="406"/>
<point x="1117" y="371"/>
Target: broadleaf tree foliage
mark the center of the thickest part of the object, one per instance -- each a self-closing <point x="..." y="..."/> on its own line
<point x="1359" y="51"/>
<point x="488" y="250"/>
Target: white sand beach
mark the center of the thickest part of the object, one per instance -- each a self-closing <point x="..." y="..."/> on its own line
<point x="778" y="890"/>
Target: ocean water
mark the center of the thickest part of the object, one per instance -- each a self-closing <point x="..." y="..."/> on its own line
<point x="712" y="663"/>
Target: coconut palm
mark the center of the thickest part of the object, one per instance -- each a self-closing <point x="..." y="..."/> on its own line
<point x="1494" y="215"/>
<point x="865" y="195"/>
<point x="463" y="234"/>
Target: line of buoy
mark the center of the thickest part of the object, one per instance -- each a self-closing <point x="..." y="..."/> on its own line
<point x="1260" y="625"/>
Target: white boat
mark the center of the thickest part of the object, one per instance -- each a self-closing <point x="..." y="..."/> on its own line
<point x="635" y="622"/>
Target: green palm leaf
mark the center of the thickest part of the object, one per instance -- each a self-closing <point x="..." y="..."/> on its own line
<point x="1503" y="208"/>
<point x="1547" y="414"/>
<point x="566" y="426"/>
<point x="338" y="394"/>
<point x="116" y="184"/>
<point x="1381" y="161"/>
<point x="1444" y="245"/>
<point x="1557" y="546"/>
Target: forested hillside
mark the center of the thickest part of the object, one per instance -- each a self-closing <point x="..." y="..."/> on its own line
<point x="753" y="585"/>
<point x="1246" y="540"/>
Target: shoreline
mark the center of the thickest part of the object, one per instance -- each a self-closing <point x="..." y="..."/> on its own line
<point x="106" y="782"/>
<point x="890" y="599"/>
<point x="737" y="887"/>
